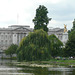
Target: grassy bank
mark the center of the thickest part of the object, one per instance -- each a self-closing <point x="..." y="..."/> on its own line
<point x="50" y="63"/>
<point x="8" y="58"/>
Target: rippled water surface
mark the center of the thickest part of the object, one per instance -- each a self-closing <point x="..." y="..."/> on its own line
<point x="6" y="68"/>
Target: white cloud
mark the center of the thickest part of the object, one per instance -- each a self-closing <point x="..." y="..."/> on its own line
<point x="60" y="24"/>
<point x="49" y="1"/>
<point x="61" y="12"/>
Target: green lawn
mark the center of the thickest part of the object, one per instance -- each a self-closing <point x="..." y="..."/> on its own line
<point x="60" y="62"/>
<point x="53" y="62"/>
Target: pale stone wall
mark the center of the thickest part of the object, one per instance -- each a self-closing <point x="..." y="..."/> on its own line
<point x="14" y="38"/>
<point x="5" y="38"/>
<point x="14" y="34"/>
<point x="63" y="37"/>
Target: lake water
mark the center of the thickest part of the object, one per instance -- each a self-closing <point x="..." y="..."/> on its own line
<point x="7" y="68"/>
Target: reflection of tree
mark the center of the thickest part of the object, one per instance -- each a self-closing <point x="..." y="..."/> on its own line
<point x="43" y="71"/>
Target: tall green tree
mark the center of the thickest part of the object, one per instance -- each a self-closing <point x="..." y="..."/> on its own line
<point x="11" y="50"/>
<point x="35" y="46"/>
<point x="73" y="28"/>
<point x="56" y="46"/>
<point x="70" y="45"/>
<point x="41" y="19"/>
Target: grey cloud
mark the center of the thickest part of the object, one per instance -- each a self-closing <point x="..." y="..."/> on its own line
<point x="62" y="11"/>
<point x="8" y="22"/>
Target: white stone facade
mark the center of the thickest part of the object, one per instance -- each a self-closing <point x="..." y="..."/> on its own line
<point x="13" y="35"/>
<point x="60" y="34"/>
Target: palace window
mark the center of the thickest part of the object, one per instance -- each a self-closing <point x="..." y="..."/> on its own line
<point x="6" y="36"/>
<point x="15" y="35"/>
<point x="1" y="41"/>
<point x="6" y="41"/>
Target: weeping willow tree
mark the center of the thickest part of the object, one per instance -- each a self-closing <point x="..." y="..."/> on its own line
<point x="35" y="46"/>
<point x="56" y="46"/>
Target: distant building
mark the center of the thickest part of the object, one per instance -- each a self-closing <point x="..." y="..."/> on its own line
<point x="60" y="34"/>
<point x="14" y="33"/>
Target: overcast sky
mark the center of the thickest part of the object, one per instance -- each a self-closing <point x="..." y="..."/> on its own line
<point x="23" y="11"/>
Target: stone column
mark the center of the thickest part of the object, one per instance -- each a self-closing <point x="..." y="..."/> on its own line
<point x="65" y="38"/>
<point x="14" y="38"/>
<point x="19" y="38"/>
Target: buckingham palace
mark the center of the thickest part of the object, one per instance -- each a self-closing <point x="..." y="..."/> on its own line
<point x="14" y="33"/>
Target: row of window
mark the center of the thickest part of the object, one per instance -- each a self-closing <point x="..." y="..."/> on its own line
<point x="5" y="41"/>
<point x="5" y="36"/>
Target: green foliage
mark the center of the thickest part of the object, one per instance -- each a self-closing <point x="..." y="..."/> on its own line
<point x="41" y="19"/>
<point x="70" y="45"/>
<point x="73" y="28"/>
<point x="74" y="25"/>
<point x="56" y="46"/>
<point x="35" y="46"/>
<point x="11" y="50"/>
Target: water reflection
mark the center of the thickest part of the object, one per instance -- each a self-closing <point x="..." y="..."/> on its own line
<point x="61" y="69"/>
<point x="7" y="68"/>
<point x="50" y="71"/>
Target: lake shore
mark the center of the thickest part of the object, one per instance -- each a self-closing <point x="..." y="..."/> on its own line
<point x="51" y="63"/>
